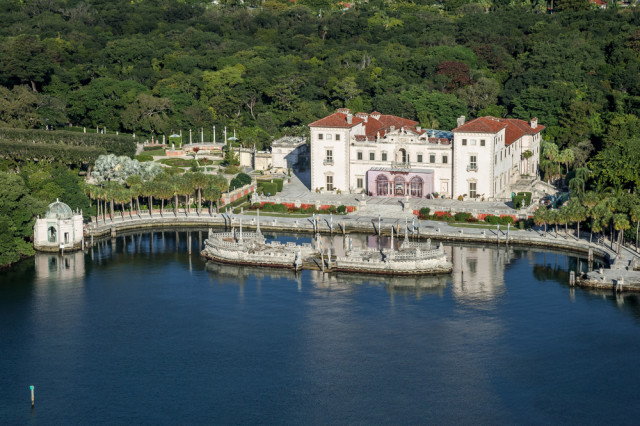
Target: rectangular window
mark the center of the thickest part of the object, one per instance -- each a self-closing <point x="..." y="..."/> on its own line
<point x="472" y="190"/>
<point x="328" y="136"/>
<point x="337" y="136"/>
<point x="473" y="162"/>
<point x="329" y="183"/>
<point x="495" y="159"/>
<point x="384" y="156"/>
<point x="432" y="158"/>
<point x="372" y="156"/>
<point x="445" y="159"/>
<point x="482" y="142"/>
<point x="419" y="158"/>
<point x="359" y="155"/>
<point x="320" y="136"/>
<point x="329" y="156"/>
<point x="360" y="183"/>
<point x="473" y="142"/>
<point x="464" y="142"/>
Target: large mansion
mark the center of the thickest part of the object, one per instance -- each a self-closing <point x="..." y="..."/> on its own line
<point x="385" y="155"/>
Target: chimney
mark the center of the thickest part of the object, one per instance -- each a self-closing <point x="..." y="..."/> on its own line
<point x="534" y="123"/>
<point x="418" y="129"/>
<point x="349" y="118"/>
<point x="461" y="120"/>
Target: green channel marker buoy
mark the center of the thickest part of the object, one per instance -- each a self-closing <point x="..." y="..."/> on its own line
<point x="33" y="399"/>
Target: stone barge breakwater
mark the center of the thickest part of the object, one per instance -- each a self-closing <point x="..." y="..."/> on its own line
<point x="620" y="275"/>
<point x="251" y="248"/>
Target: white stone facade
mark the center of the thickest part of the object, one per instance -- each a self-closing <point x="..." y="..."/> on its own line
<point x="489" y="156"/>
<point x="478" y="159"/>
<point x="60" y="229"/>
<point x="287" y="151"/>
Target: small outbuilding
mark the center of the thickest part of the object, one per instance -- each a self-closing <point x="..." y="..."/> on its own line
<point x="60" y="229"/>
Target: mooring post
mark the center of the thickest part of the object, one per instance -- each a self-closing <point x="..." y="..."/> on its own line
<point x="572" y="278"/>
<point x="498" y="232"/>
<point x="379" y="220"/>
<point x="343" y="229"/>
<point x="508" y="229"/>
<point x="33" y="398"/>
<point x="331" y="223"/>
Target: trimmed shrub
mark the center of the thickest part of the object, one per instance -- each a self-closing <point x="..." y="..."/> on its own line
<point x="279" y="184"/>
<point x="235" y="183"/>
<point x="342" y="209"/>
<point x="492" y="220"/>
<point x="462" y="217"/>
<point x="424" y="212"/>
<point x="506" y="220"/>
<point x="269" y="188"/>
<point x="243" y="178"/>
<point x="267" y="207"/>
<point x="279" y="208"/>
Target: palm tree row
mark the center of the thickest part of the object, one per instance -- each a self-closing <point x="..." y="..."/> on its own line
<point x="604" y="211"/>
<point x="164" y="187"/>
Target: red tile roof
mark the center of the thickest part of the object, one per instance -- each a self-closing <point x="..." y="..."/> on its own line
<point x="514" y="128"/>
<point x="482" y="125"/>
<point x="337" y="119"/>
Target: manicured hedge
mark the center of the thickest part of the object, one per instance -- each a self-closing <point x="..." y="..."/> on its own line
<point x="112" y="144"/>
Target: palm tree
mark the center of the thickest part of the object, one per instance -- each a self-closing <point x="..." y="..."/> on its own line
<point x="552" y="218"/>
<point x="183" y="186"/>
<point x="164" y="191"/>
<point x="211" y="194"/>
<point x="221" y="184"/>
<point x="121" y="196"/>
<point x="634" y="213"/>
<point x="577" y="213"/>
<point x="134" y="182"/>
<point x="563" y="218"/>
<point x="540" y="217"/>
<point x="111" y="188"/>
<point x="198" y="181"/>
<point x="589" y="201"/>
<point x="566" y="156"/>
<point x="147" y="190"/>
<point x="620" y="223"/>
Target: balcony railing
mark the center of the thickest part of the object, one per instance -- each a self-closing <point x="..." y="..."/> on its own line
<point x="401" y="164"/>
<point x="328" y="161"/>
<point x="472" y="168"/>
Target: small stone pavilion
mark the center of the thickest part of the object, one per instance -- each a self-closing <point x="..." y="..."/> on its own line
<point x="60" y="230"/>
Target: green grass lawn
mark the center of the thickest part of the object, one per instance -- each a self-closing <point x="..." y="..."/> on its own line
<point x="273" y="214"/>
<point x="479" y="225"/>
<point x="177" y="162"/>
<point x="155" y="152"/>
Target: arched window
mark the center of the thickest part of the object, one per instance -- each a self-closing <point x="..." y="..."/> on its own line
<point x="52" y="234"/>
<point x="416" y="186"/>
<point x="399" y="186"/>
<point x="382" y="185"/>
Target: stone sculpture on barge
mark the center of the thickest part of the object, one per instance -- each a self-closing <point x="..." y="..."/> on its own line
<point x="251" y="248"/>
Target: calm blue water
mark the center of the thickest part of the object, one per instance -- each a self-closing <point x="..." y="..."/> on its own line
<point x="135" y="335"/>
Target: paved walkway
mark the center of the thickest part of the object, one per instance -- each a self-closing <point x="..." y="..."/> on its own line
<point x="296" y="190"/>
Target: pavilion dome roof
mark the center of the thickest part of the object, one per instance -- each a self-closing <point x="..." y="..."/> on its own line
<point x="59" y="210"/>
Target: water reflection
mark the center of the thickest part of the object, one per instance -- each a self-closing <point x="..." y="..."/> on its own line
<point x="59" y="268"/>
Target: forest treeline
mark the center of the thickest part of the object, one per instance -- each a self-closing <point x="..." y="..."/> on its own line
<point x="162" y="65"/>
<point x="268" y="68"/>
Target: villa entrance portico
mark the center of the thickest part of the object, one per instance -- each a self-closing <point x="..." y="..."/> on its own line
<point x="389" y="182"/>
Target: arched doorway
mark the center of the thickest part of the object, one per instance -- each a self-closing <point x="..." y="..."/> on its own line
<point x="51" y="234"/>
<point x="416" y="186"/>
<point x="382" y="185"/>
<point x="399" y="186"/>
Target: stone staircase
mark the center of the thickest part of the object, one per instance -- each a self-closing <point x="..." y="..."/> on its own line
<point x="393" y="211"/>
